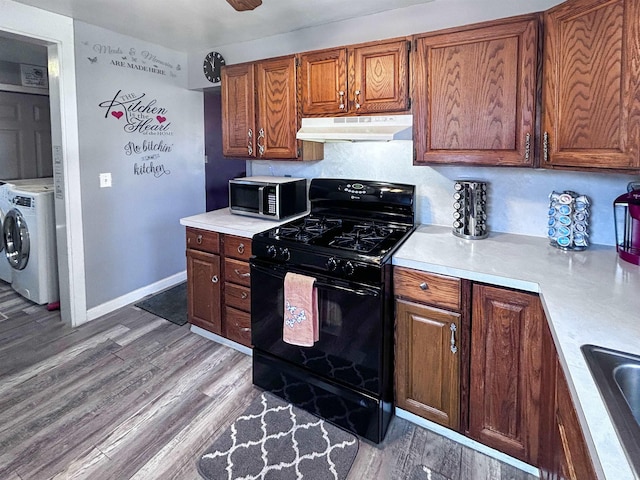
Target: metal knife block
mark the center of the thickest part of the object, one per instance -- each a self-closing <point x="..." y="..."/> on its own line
<point x="470" y="203"/>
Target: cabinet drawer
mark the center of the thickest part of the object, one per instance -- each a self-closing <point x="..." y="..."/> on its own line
<point x="203" y="240"/>
<point x="423" y="287"/>
<point x="236" y="271"/>
<point x="237" y="247"/>
<point x="238" y="326"/>
<point x="237" y="296"/>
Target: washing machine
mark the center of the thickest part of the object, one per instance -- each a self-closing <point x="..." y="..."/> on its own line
<point x="29" y="241"/>
<point x="5" y="269"/>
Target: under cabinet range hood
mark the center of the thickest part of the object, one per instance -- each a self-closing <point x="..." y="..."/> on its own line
<point x="381" y="128"/>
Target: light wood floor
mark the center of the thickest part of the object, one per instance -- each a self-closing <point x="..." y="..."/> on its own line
<point x="131" y="395"/>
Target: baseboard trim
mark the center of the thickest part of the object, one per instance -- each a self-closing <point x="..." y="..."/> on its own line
<point x="136" y="295"/>
<point x="224" y="341"/>
<point x="467" y="442"/>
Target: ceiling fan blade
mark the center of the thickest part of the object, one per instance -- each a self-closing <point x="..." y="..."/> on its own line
<point x="243" y="5"/>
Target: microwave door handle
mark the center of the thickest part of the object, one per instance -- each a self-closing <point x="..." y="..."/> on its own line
<point x="261" y="200"/>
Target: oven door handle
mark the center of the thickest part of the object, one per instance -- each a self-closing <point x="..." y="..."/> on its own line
<point x="281" y="272"/>
<point x="365" y="292"/>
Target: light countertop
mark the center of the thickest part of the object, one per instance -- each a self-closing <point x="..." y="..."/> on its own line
<point x="589" y="297"/>
<point x="223" y="221"/>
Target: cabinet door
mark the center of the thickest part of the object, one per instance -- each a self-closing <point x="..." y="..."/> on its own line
<point x="381" y="78"/>
<point x="504" y="397"/>
<point x="203" y="290"/>
<point x="277" y="114"/>
<point x="238" y="110"/>
<point x="591" y="88"/>
<point x="475" y="94"/>
<point x="323" y="80"/>
<point x="428" y="362"/>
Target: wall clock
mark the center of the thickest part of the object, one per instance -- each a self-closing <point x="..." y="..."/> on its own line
<point x="211" y="66"/>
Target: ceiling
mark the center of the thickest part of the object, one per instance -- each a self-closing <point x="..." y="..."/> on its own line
<point x="192" y="25"/>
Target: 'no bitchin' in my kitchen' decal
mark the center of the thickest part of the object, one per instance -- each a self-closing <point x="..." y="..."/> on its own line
<point x="143" y="116"/>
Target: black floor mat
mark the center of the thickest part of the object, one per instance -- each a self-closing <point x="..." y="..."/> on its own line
<point x="170" y="304"/>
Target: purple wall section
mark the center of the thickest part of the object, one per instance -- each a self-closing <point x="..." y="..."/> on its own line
<point x="218" y="169"/>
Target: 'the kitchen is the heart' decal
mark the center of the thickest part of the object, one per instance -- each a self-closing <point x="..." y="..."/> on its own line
<point x="142" y="116"/>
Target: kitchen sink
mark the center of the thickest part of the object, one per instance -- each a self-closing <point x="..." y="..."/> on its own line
<point x="617" y="375"/>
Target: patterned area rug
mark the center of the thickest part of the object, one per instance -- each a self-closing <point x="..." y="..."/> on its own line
<point x="273" y="440"/>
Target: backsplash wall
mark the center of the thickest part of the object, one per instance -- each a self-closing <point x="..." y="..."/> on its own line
<point x="518" y="197"/>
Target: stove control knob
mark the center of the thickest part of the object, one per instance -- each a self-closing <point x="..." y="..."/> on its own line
<point x="332" y="264"/>
<point x="285" y="253"/>
<point x="272" y="251"/>
<point x="348" y="268"/>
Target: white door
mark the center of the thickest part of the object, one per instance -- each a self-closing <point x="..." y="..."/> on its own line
<point x="25" y="136"/>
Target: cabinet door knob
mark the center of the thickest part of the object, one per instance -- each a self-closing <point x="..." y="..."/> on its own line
<point x="261" y="146"/>
<point x="214" y="279"/>
<point x="341" y="95"/>
<point x="199" y="239"/>
<point x="453" y="328"/>
<point x="241" y="248"/>
<point x="424" y="286"/>
<point x="240" y="274"/>
<point x="357" y="99"/>
<point x="545" y="146"/>
<point x="250" y="142"/>
<point x="244" y="295"/>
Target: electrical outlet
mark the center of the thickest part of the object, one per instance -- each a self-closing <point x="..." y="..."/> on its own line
<point x="105" y="180"/>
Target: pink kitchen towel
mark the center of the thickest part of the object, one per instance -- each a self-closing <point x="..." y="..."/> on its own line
<point x="301" y="325"/>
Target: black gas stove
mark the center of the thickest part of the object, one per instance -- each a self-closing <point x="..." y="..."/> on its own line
<point x="345" y="244"/>
<point x="352" y="229"/>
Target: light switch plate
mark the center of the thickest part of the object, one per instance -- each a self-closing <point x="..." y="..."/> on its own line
<point x="105" y="180"/>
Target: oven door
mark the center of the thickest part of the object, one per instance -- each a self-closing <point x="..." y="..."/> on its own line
<point x="350" y="347"/>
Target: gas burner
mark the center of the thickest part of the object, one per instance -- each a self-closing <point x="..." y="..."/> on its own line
<point x="308" y="228"/>
<point x="363" y="237"/>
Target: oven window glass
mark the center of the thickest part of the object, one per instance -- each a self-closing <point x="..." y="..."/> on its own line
<point x="244" y="197"/>
<point x="349" y="349"/>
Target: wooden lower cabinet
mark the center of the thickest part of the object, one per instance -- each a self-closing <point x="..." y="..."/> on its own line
<point x="504" y="385"/>
<point x="428" y="363"/>
<point x="563" y="450"/>
<point x="506" y="365"/>
<point x="203" y="290"/>
<point x="218" y="284"/>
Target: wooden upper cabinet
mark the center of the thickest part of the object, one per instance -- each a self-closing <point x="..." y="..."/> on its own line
<point x="475" y="94"/>
<point x="277" y="123"/>
<point x="506" y="368"/>
<point x="260" y="112"/>
<point x="323" y="79"/>
<point x="380" y="81"/>
<point x="591" y="86"/>
<point x="363" y="79"/>
<point x="238" y="110"/>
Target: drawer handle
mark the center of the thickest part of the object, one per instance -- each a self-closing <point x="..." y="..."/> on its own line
<point x="245" y="329"/>
<point x="453" y="328"/>
<point x="244" y="295"/>
<point x="240" y="274"/>
<point x="215" y="279"/>
<point x="241" y="248"/>
<point x="424" y="286"/>
<point x="199" y="239"/>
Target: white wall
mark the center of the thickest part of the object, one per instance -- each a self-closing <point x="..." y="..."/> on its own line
<point x="139" y="123"/>
<point x="518" y="198"/>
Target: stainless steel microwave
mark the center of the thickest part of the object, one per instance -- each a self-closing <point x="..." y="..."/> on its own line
<point x="269" y="197"/>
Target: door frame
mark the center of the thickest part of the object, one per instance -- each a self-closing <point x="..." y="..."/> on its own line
<point x="57" y="34"/>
